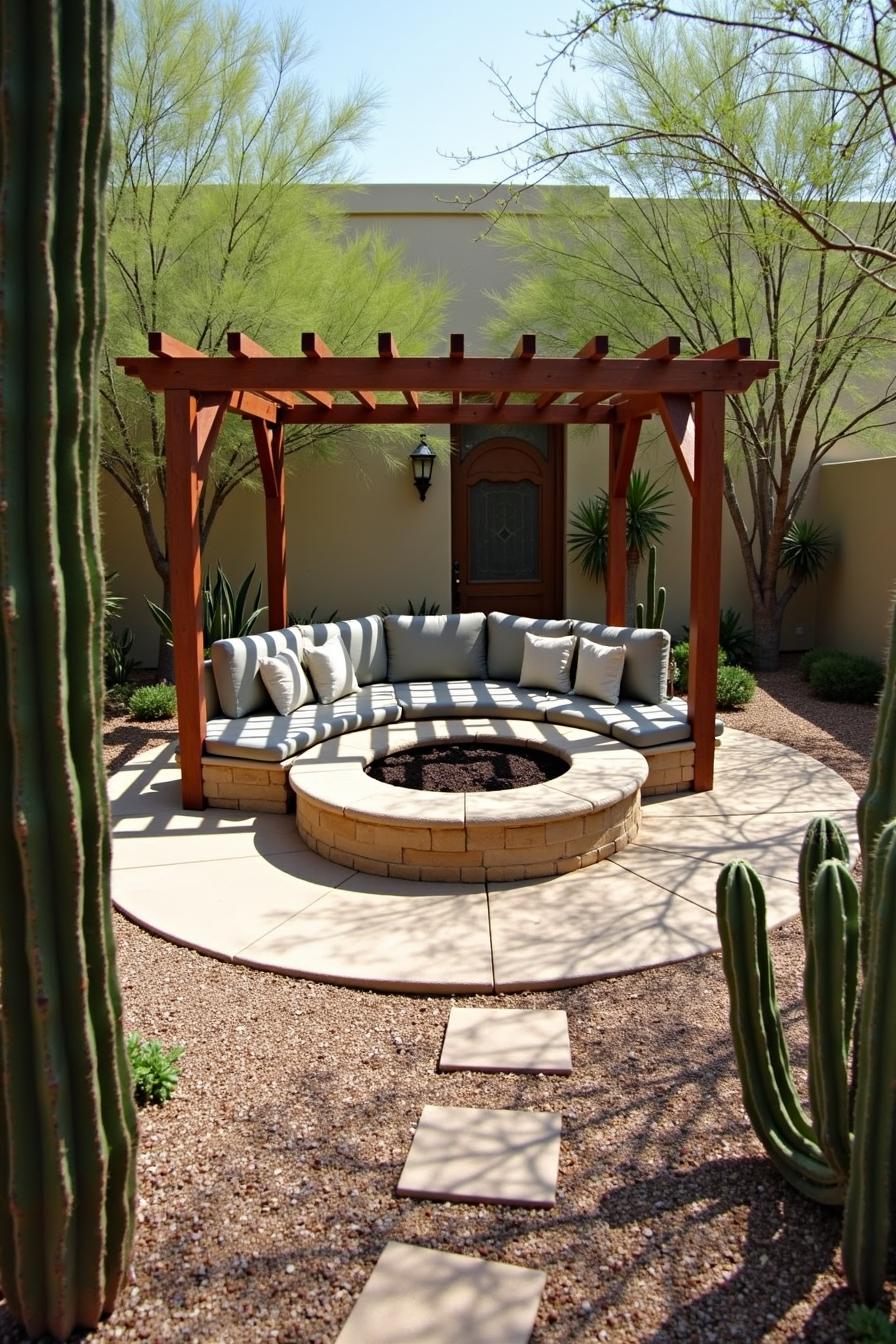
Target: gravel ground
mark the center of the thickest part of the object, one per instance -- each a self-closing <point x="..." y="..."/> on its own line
<point x="266" y="1185"/>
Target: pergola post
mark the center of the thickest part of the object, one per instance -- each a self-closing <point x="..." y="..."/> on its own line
<point x="706" y="565"/>
<point x="269" y="444"/>
<point x="183" y="479"/>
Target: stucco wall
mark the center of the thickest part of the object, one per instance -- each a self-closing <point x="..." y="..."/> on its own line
<point x="858" y="501"/>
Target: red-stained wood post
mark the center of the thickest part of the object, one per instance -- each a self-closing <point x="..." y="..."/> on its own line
<point x="615" y="535"/>
<point x="183" y="485"/>
<point x="706" y="565"/>
<point x="269" y="444"/>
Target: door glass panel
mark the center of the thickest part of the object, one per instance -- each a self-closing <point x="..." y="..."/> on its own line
<point x="471" y="436"/>
<point x="504" y="531"/>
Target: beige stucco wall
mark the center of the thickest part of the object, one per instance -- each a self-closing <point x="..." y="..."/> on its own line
<point x="858" y="501"/>
<point x="359" y="537"/>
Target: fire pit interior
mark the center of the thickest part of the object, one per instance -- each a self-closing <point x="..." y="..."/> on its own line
<point x="467" y="767"/>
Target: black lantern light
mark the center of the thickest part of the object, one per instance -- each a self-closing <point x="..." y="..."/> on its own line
<point x="422" y="460"/>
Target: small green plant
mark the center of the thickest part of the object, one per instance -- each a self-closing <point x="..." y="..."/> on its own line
<point x="806" y="549"/>
<point x="680" y="659"/>
<point x="734" y="638"/>
<point x="735" y="687"/>
<point x="118" y="656"/>
<point x="225" y="615"/>
<point x="650" y="615"/>
<point x="423" y="608"/>
<point x="870" y="1324"/>
<point x="846" y="677"/>
<point x="810" y="658"/>
<point x="154" y="1070"/>
<point x="149" y="704"/>
<point x="312" y="617"/>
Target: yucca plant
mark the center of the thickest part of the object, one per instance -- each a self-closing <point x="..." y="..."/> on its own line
<point x="646" y="519"/>
<point x="224" y="615"/>
<point x="806" y="549"/>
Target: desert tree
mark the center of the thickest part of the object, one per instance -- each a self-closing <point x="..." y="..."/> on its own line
<point x="845" y="49"/>
<point x="219" y="221"/>
<point x="646" y="242"/>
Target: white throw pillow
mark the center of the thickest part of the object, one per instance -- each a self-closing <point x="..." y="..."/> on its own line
<point x="599" y="671"/>
<point x="546" y="662"/>
<point x="331" y="670"/>
<point x="286" y="681"/>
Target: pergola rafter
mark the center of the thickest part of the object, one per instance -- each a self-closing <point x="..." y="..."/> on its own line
<point x="590" y="388"/>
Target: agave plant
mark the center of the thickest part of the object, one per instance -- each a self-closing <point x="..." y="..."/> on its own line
<point x="806" y="549"/>
<point x="224" y="615"/>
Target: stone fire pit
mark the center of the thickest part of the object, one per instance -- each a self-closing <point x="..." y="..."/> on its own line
<point x="584" y="814"/>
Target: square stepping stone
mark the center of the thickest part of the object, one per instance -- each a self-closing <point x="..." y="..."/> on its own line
<point x="507" y="1040"/>
<point x="418" y="1294"/>
<point x="471" y="1156"/>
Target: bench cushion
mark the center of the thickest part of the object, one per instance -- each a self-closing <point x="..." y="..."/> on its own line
<point x="463" y="699"/>
<point x="235" y="663"/>
<point x="365" y="640"/>
<point x="580" y="711"/>
<point x="439" y="647"/>
<point x="506" y="637"/>
<point x="646" y="671"/>
<point x="275" y="737"/>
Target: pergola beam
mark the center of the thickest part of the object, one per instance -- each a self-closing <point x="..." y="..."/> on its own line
<point x="706" y="569"/>
<point x="523" y="350"/>
<point x="314" y="348"/>
<point x="448" y="413"/>
<point x="595" y="350"/>
<point x="389" y="350"/>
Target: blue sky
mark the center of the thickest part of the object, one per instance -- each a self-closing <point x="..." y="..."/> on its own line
<point x="428" y="60"/>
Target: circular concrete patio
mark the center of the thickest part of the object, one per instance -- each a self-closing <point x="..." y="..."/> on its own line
<point x="245" y="888"/>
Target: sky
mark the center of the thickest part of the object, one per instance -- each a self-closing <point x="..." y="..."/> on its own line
<point x="428" y="59"/>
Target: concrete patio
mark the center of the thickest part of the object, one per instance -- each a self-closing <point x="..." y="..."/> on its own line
<point x="245" y="888"/>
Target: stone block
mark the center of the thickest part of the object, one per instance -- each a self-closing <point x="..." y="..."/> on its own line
<point x="522" y="837"/>
<point x="448" y="841"/>
<point x="217" y="774"/>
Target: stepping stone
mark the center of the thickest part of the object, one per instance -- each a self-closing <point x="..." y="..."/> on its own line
<point x="417" y="1294"/>
<point x="507" y="1040"/>
<point x="471" y="1156"/>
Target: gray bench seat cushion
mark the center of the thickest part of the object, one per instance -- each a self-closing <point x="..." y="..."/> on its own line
<point x="365" y="640"/>
<point x="275" y="737"/>
<point x="637" y="725"/>
<point x="236" y="662"/>
<point x="468" y="699"/>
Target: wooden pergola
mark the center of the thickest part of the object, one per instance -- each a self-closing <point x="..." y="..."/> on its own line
<point x="590" y="388"/>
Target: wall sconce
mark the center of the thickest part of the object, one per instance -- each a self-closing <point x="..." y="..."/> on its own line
<point x="422" y="461"/>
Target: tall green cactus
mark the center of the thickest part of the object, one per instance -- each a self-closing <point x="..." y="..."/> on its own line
<point x="830" y="1154"/>
<point x="67" y="1120"/>
<point x="651" y="616"/>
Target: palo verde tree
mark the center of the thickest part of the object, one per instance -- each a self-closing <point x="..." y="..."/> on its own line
<point x="845" y="49"/>
<point x="670" y="247"/>
<point x="67" y="1122"/>
<point x="218" y="221"/>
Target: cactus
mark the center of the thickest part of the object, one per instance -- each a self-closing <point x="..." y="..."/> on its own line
<point x="830" y="1155"/>
<point x="651" y="616"/>
<point x="67" y="1124"/>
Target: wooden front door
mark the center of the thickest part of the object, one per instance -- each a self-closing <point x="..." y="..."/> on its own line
<point x="507" y="493"/>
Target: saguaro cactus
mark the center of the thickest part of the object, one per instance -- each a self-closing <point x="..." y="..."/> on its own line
<point x="651" y="615"/>
<point x="67" y="1120"/>
<point x="829" y="1154"/>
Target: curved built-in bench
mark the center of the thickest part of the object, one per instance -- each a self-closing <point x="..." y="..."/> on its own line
<point x="413" y="668"/>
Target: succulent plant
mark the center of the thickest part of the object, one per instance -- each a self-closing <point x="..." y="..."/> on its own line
<point x="651" y="615"/>
<point x="68" y="1122"/>
<point x="838" y="1152"/>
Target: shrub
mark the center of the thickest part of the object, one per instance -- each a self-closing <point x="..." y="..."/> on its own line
<point x="154" y="1070"/>
<point x="148" y="704"/>
<point x="118" y="656"/>
<point x="680" y="659"/>
<point x="810" y="658"/>
<point x="422" y="608"/>
<point x="735" y="688"/>
<point x="846" y="677"/>
<point x="312" y="617"/>
<point x="870" y="1323"/>
<point x="735" y="640"/>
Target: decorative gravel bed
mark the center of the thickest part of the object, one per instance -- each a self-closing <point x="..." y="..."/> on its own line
<point x="266" y="1186"/>
<point x="466" y="767"/>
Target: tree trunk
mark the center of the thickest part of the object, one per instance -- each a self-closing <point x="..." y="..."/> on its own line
<point x="68" y="1130"/>
<point x="767" y="617"/>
